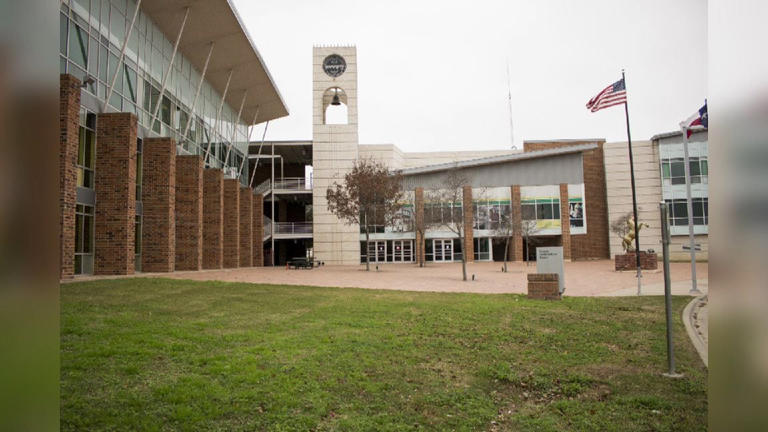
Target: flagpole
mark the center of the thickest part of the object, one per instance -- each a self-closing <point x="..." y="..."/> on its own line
<point x="634" y="195"/>
<point x="689" y="207"/>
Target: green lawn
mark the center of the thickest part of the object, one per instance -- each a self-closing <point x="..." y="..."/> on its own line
<point x="157" y="354"/>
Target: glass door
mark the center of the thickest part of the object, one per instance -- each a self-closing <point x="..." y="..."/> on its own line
<point x="402" y="250"/>
<point x="443" y="249"/>
<point x="377" y="250"/>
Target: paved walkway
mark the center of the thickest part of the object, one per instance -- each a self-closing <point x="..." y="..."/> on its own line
<point x="582" y="278"/>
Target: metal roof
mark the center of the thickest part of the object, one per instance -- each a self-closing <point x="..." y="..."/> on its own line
<point x="217" y="21"/>
<point x="498" y="159"/>
<point x="673" y="134"/>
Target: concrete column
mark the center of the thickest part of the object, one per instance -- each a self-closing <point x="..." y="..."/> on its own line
<point x="213" y="227"/>
<point x="189" y="212"/>
<point x="69" y="114"/>
<point x="517" y="239"/>
<point x="158" y="252"/>
<point x="258" y="230"/>
<point x="246" y="227"/>
<point x="115" y="183"/>
<point x="565" y="221"/>
<point x="419" y="213"/>
<point x="231" y="223"/>
<point x="469" y="244"/>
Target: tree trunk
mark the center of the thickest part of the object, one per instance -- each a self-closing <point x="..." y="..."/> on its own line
<point x="506" y="252"/>
<point x="419" y="251"/>
<point x="367" y="249"/>
<point x="463" y="258"/>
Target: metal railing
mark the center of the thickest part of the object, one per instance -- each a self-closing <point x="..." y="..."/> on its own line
<point x="293" y="184"/>
<point x="262" y="188"/>
<point x="293" y="227"/>
<point x="284" y="184"/>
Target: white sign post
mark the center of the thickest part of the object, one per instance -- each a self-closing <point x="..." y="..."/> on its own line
<point x="550" y="260"/>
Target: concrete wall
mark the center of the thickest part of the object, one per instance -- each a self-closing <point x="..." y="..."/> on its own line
<point x="648" y="188"/>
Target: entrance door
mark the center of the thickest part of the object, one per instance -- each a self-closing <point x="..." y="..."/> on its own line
<point x="402" y="250"/>
<point x="443" y="249"/>
<point x="377" y="250"/>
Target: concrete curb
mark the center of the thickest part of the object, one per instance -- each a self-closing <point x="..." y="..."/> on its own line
<point x="689" y="321"/>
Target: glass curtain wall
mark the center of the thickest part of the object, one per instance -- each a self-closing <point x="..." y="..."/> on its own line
<point x="91" y="37"/>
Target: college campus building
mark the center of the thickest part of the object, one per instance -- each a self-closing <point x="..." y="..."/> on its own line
<point x="156" y="99"/>
<point x="157" y="173"/>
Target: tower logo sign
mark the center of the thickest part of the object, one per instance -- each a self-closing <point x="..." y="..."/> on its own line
<point x="334" y="65"/>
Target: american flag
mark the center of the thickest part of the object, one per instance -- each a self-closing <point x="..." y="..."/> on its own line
<point x="614" y="94"/>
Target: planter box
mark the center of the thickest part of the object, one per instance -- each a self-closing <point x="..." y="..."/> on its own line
<point x="627" y="261"/>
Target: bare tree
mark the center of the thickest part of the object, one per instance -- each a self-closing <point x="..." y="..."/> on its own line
<point x="528" y="229"/>
<point x="506" y="230"/>
<point x="370" y="194"/>
<point x="450" y="195"/>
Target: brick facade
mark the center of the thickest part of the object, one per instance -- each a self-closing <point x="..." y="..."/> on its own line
<point x="189" y="212"/>
<point x="246" y="227"/>
<point x="258" y="230"/>
<point x="158" y="252"/>
<point x="115" y="187"/>
<point x="469" y="243"/>
<point x="628" y="261"/>
<point x="231" y="223"/>
<point x="565" y="222"/>
<point x="69" y="114"/>
<point x="593" y="244"/>
<point x="419" y="213"/>
<point x="543" y="286"/>
<point x="213" y="227"/>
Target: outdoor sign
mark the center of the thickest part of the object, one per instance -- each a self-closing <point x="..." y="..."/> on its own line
<point x="550" y="260"/>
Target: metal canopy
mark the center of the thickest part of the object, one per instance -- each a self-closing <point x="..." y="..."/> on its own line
<point x="217" y="21"/>
<point x="544" y="167"/>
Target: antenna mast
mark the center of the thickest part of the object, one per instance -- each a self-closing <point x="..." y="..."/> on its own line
<point x="509" y="103"/>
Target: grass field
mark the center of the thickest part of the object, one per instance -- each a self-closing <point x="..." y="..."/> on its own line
<point x="157" y="354"/>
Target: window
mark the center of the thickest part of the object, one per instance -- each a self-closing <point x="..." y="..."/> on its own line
<point x="442" y="213"/>
<point x="678" y="211"/>
<point x="78" y="46"/>
<point x="83" y="239"/>
<point x="673" y="170"/>
<point x="576" y="213"/>
<point x="488" y="215"/>
<point x="139" y="169"/>
<point x="86" y="149"/>
<point x="541" y="209"/>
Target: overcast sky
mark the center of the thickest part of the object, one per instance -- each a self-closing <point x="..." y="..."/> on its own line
<point x="432" y="75"/>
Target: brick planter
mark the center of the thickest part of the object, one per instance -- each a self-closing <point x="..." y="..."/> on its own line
<point x="627" y="261"/>
<point x="543" y="286"/>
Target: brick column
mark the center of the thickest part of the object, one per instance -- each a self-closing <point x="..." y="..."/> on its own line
<point x="246" y="227"/>
<point x="565" y="221"/>
<point x="419" y="213"/>
<point x="189" y="212"/>
<point x="158" y="252"/>
<point x="258" y="230"/>
<point x="517" y="239"/>
<point x="115" y="187"/>
<point x="231" y="223"/>
<point x="213" y="227"/>
<point x="69" y="125"/>
<point x="469" y="244"/>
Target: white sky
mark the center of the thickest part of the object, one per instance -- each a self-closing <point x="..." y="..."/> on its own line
<point x="432" y="74"/>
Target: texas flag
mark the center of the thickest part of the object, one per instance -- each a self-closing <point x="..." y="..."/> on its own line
<point x="698" y="121"/>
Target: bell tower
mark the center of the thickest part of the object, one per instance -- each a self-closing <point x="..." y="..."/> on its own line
<point x="334" y="148"/>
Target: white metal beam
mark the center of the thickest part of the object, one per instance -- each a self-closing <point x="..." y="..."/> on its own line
<point x="122" y="56"/>
<point x="168" y="70"/>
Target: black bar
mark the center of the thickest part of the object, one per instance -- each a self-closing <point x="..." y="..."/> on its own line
<point x="632" y="177"/>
